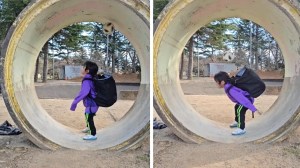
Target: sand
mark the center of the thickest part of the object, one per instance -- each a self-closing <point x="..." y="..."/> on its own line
<point x="172" y="152"/>
<point x="169" y="151"/>
<point x="18" y="152"/>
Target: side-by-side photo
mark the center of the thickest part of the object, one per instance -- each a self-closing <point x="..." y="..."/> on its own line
<point x="149" y="84"/>
<point x="226" y="83"/>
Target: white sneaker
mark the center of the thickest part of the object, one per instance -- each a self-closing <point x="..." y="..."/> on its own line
<point x="85" y="130"/>
<point x="233" y="125"/>
<point x="90" y="137"/>
<point x="238" y="131"/>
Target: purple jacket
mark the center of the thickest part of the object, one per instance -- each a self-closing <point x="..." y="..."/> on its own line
<point x="240" y="96"/>
<point x="87" y="87"/>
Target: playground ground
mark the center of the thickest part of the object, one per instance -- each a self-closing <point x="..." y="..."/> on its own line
<point x="202" y="94"/>
<point x="169" y="151"/>
<point x="18" y="152"/>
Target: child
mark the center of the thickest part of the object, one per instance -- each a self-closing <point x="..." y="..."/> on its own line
<point x="242" y="99"/>
<point x="87" y="91"/>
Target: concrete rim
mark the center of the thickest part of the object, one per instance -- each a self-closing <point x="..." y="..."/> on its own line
<point x="179" y="20"/>
<point x="34" y="26"/>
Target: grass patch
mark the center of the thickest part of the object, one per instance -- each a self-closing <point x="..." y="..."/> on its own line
<point x="145" y="158"/>
<point x="295" y="150"/>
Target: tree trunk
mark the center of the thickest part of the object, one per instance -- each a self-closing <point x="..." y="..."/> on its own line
<point x="107" y="58"/>
<point x="113" y="56"/>
<point x="251" y="60"/>
<point x="113" y="65"/>
<point x="276" y="57"/>
<point x="45" y="65"/>
<point x="37" y="68"/>
<point x="118" y="63"/>
<point x="181" y="66"/>
<point x="269" y="57"/>
<point x="134" y="62"/>
<point x="190" y="63"/>
<point x="108" y="61"/>
<point x="126" y="64"/>
<point x="256" y="46"/>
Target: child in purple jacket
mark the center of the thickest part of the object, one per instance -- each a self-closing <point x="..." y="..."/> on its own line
<point x="242" y="99"/>
<point x="87" y="91"/>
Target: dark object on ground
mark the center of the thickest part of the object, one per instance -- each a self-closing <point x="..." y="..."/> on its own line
<point x="7" y="129"/>
<point x="158" y="124"/>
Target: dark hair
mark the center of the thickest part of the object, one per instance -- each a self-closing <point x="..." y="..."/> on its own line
<point x="221" y="76"/>
<point x="92" y="67"/>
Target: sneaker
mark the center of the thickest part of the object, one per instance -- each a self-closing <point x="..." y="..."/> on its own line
<point x="85" y="130"/>
<point x="233" y="125"/>
<point x="90" y="137"/>
<point x="238" y="131"/>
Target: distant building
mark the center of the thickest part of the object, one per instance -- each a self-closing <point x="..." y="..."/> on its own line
<point x="69" y="72"/>
<point x="212" y="68"/>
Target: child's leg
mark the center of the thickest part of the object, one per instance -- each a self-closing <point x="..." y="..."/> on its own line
<point x="241" y="112"/>
<point x="90" y="123"/>
<point x="86" y="120"/>
<point x="235" y="112"/>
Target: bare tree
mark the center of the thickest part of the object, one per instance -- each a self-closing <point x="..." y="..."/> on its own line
<point x="113" y="56"/>
<point x="37" y="67"/>
<point x="45" y="65"/>
<point x="181" y="65"/>
<point x="190" y="61"/>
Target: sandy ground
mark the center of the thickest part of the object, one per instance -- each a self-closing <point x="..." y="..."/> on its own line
<point x="219" y="108"/>
<point x="18" y="152"/>
<point x="172" y="152"/>
<point x="169" y="150"/>
<point x="59" y="110"/>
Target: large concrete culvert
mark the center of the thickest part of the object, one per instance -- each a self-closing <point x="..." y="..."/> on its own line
<point x="35" y="25"/>
<point x="179" y="20"/>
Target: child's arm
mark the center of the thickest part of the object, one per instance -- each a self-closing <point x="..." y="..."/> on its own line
<point x="240" y="98"/>
<point x="85" y="90"/>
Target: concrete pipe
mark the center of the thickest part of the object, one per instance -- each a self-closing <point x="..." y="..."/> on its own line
<point x="179" y="21"/>
<point x="32" y="29"/>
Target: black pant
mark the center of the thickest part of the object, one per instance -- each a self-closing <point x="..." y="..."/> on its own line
<point x="89" y="119"/>
<point x="240" y="112"/>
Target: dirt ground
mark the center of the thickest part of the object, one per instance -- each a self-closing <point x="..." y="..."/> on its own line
<point x="279" y="74"/>
<point x="18" y="152"/>
<point x="172" y="152"/>
<point x="169" y="150"/>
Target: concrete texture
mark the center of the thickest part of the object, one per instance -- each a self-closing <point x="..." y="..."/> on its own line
<point x="175" y="26"/>
<point x="33" y="27"/>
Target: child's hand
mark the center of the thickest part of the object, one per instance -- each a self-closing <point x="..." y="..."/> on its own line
<point x="73" y="107"/>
